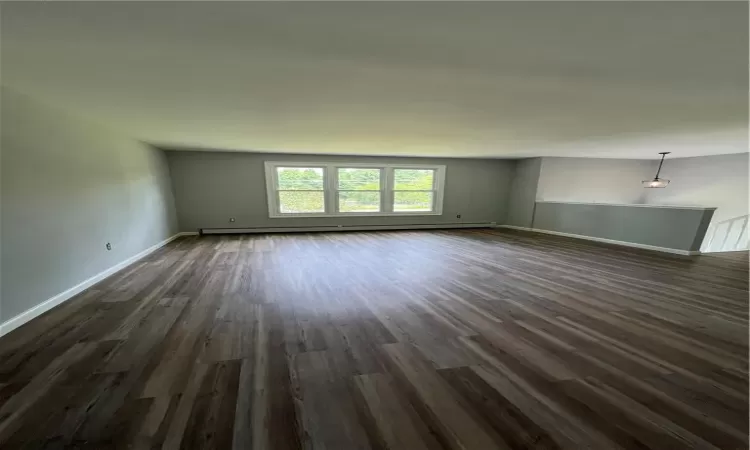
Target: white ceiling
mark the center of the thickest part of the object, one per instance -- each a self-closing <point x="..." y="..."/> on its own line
<point x="612" y="79"/>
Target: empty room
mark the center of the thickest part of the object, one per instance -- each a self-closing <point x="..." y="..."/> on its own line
<point x="374" y="225"/>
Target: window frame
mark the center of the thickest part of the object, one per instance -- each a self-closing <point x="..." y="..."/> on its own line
<point x="337" y="192"/>
<point x="331" y="191"/>
<point x="276" y="192"/>
<point x="392" y="191"/>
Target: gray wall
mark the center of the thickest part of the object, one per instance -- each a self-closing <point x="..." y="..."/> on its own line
<point x="676" y="228"/>
<point x="596" y="180"/>
<point x="211" y="187"/>
<point x="720" y="181"/>
<point x="523" y="192"/>
<point x="68" y="187"/>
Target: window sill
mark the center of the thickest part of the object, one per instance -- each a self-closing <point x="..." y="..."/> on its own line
<point x="401" y="214"/>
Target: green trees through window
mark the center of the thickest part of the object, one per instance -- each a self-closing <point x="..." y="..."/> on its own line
<point x="413" y="190"/>
<point x="301" y="190"/>
<point x="359" y="190"/>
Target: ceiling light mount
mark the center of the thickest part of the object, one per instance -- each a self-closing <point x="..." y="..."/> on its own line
<point x="657" y="182"/>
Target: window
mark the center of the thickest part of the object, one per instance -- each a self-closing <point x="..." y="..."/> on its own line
<point x="300" y="190"/>
<point x="333" y="189"/>
<point x="413" y="190"/>
<point x="358" y="190"/>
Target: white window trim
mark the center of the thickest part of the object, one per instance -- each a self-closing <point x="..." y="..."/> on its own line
<point x="331" y="191"/>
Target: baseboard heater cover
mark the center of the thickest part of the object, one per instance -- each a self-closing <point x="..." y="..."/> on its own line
<point x="345" y="228"/>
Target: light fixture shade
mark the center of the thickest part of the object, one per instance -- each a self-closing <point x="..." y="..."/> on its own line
<point x="655" y="183"/>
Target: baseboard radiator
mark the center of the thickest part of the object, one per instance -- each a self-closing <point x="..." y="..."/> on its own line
<point x="345" y="228"/>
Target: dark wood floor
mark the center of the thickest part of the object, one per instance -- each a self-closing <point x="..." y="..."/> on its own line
<point x="399" y="340"/>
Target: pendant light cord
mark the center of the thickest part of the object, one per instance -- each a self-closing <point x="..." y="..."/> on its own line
<point x="660" y="164"/>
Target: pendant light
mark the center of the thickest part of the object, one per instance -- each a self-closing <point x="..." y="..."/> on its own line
<point x="657" y="182"/>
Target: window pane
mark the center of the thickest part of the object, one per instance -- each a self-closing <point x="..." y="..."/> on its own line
<point x="412" y="201"/>
<point x="301" y="202"/>
<point x="353" y="201"/>
<point x="299" y="178"/>
<point x="413" y="179"/>
<point x="359" y="179"/>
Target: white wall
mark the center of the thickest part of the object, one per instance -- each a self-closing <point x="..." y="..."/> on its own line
<point x="68" y="187"/>
<point x="720" y="181"/>
<point x="594" y="180"/>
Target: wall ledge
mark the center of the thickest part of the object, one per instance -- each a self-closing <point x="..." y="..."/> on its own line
<point x="606" y="241"/>
<point x="632" y="205"/>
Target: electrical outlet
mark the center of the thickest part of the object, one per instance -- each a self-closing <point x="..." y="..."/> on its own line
<point x="231" y="219"/>
<point x="109" y="246"/>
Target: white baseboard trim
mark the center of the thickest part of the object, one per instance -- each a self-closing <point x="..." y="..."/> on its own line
<point x="606" y="241"/>
<point x="15" y="322"/>
<point x="345" y="228"/>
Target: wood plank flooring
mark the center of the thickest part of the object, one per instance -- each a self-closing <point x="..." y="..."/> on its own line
<point x="481" y="339"/>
